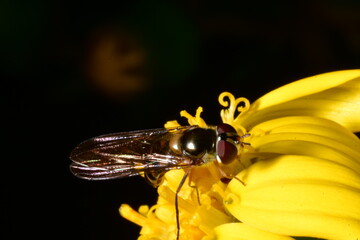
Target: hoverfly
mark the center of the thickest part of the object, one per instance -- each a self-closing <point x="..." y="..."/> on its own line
<point x="153" y="152"/>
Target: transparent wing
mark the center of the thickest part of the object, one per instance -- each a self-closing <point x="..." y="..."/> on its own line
<point x="125" y="154"/>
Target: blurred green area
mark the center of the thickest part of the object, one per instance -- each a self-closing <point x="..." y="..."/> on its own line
<point x="50" y="44"/>
<point x="186" y="45"/>
<point x="71" y="70"/>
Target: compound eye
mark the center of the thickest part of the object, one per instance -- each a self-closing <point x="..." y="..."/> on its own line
<point x="225" y="128"/>
<point x="226" y="151"/>
<point x="227" y="143"/>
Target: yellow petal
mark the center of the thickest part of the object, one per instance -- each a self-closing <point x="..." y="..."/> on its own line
<point x="307" y="86"/>
<point x="334" y="95"/>
<point x="298" y="196"/>
<point x="240" y="231"/>
<point x="310" y="136"/>
<point x="307" y="124"/>
<point x="299" y="168"/>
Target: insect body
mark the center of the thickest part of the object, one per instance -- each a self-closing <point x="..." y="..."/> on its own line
<point x="153" y="152"/>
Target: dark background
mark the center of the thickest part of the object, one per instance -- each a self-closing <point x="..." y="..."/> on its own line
<point x="72" y="70"/>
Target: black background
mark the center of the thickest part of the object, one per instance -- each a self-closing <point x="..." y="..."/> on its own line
<point x="195" y="50"/>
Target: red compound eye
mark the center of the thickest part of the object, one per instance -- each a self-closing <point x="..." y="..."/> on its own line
<point x="226" y="148"/>
<point x="225" y="128"/>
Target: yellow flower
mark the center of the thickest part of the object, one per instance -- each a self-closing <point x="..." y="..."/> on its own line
<point x="299" y="177"/>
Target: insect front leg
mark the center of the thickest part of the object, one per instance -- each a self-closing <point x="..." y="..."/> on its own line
<point x="225" y="178"/>
<point x="196" y="189"/>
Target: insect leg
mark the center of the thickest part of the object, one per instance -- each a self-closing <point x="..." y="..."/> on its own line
<point x="196" y="189"/>
<point x="225" y="176"/>
<point x="177" y="202"/>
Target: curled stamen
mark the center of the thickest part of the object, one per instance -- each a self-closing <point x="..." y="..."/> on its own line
<point x="232" y="105"/>
<point x="228" y="100"/>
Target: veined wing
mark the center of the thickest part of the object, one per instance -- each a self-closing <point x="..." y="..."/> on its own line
<point x="125" y="154"/>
